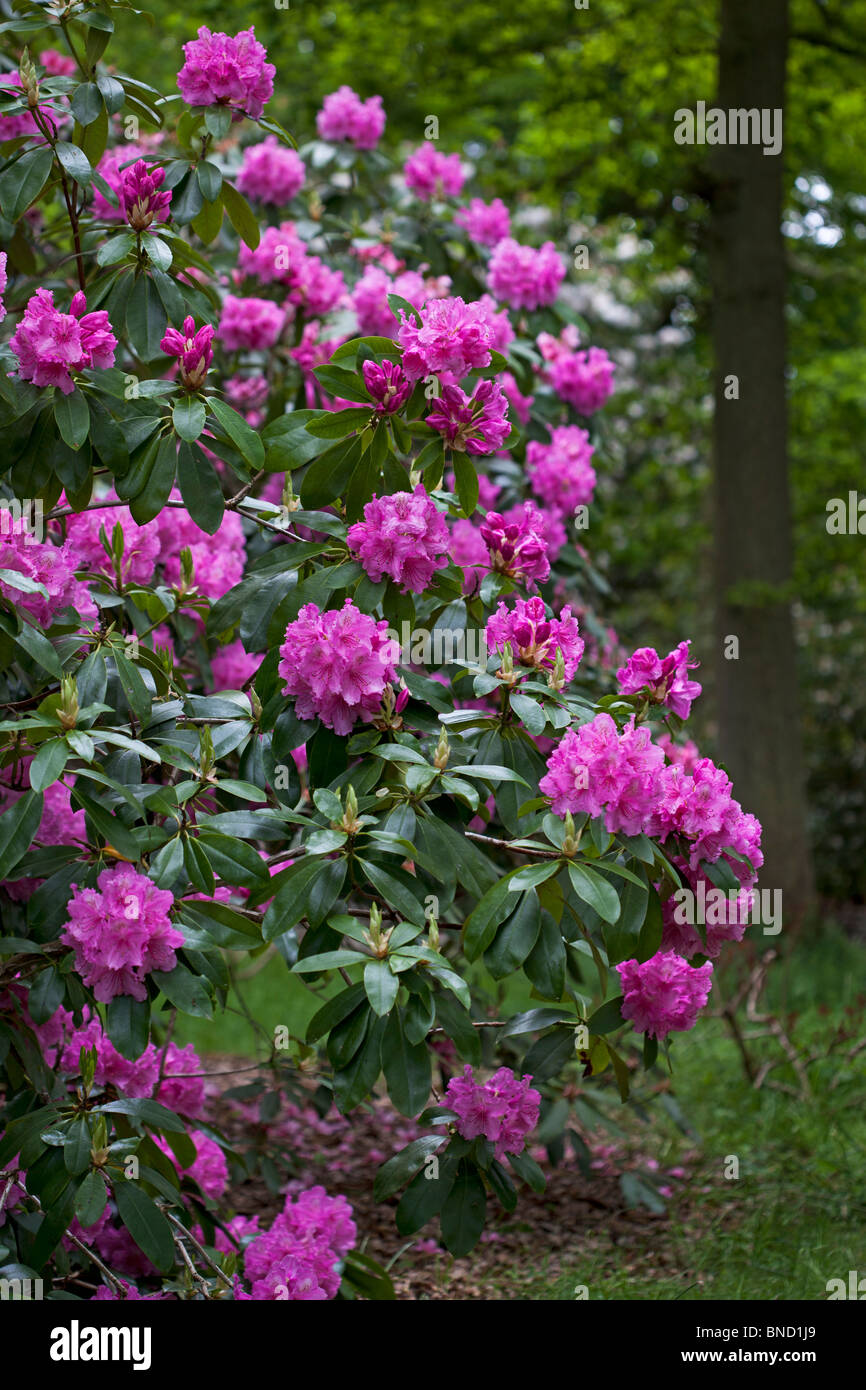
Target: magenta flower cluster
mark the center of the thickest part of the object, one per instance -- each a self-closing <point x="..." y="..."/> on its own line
<point x="370" y="299"/>
<point x="476" y="424"/>
<point x="299" y="1258"/>
<point x="535" y="638"/>
<point x="485" y="223"/>
<point x="282" y="258"/>
<point x="517" y="544"/>
<point x="561" y="472"/>
<point x="404" y="536"/>
<point x="448" y="336"/>
<point x="345" y="116"/>
<point x="429" y="174"/>
<point x="388" y="384"/>
<point x="598" y="770"/>
<point x="336" y="665"/>
<point x="218" y="560"/>
<point x="664" y="994"/>
<point x="523" y="277"/>
<point x="144" y="200"/>
<point x="41" y="562"/>
<point x="249" y="323"/>
<point x="120" y="932"/>
<point x="224" y="70"/>
<point x="141" y="544"/>
<point x="664" y="680"/>
<point x="271" y="173"/>
<point x="51" y="346"/>
<point x="701" y="809"/>
<point x="583" y="379"/>
<point x="503" y="1109"/>
<point x="193" y="351"/>
<point x="181" y="1089"/>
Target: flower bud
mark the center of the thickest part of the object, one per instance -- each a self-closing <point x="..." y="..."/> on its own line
<point x="556" y="677"/>
<point x="443" y="751"/>
<point x="67" y="710"/>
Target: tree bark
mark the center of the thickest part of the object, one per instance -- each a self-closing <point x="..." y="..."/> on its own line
<point x="756" y="691"/>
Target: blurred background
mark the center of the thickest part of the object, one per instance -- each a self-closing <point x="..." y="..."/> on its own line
<point x="567" y="113"/>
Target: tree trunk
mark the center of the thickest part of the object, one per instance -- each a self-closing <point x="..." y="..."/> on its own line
<point x="756" y="690"/>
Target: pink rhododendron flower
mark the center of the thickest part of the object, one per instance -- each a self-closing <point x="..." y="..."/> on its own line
<point x="3" y="283"/>
<point x="503" y="1109"/>
<point x="135" y="1078"/>
<point x="193" y="351"/>
<point x="501" y="331"/>
<point x="430" y="174"/>
<point x="281" y="257"/>
<point x="143" y="199"/>
<point x="232" y="666"/>
<point x="182" y="1085"/>
<point x="548" y="524"/>
<point x="468" y="550"/>
<point x="535" y="638"/>
<point x="552" y="349"/>
<point x="277" y="258"/>
<point x="128" y="1294"/>
<point x="517" y="546"/>
<point x="255" y="324"/>
<point x="598" y="770"/>
<point x="60" y="825"/>
<point x="382" y="253"/>
<point x="209" y="1168"/>
<point x="583" y="379"/>
<point x="271" y="172"/>
<point x="685" y="754"/>
<point x="523" y="277"/>
<point x="485" y="223"/>
<point x="724" y="917"/>
<point x="561" y="473"/>
<point x="220" y="70"/>
<point x="120" y="932"/>
<point x="57" y="64"/>
<point x="700" y="808"/>
<point x="247" y="392"/>
<point x="51" y="345"/>
<point x="113" y="167"/>
<point x="336" y="665"/>
<point x="476" y="424"/>
<point x="388" y="385"/>
<point x="41" y="562"/>
<point x="19" y="122"/>
<point x="404" y="536"/>
<point x="218" y="560"/>
<point x="141" y="544"/>
<point x="451" y="336"/>
<point x="520" y="404"/>
<point x="664" y="680"/>
<point x="298" y="1258"/>
<point x="664" y="994"/>
<point x="120" y="1252"/>
<point x="345" y="116"/>
<point x="370" y="299"/>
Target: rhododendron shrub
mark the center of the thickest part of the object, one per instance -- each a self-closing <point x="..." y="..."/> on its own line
<point x="299" y="656"/>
